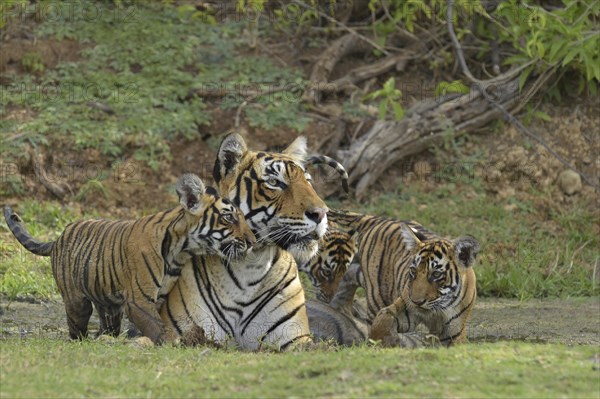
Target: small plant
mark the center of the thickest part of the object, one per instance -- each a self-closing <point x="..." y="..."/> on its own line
<point x="33" y="63"/>
<point x="455" y="87"/>
<point x="92" y="187"/>
<point x="390" y="99"/>
<point x="252" y="10"/>
<point x="9" y="9"/>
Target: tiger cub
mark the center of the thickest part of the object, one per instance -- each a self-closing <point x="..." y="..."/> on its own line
<point x="335" y="321"/>
<point x="326" y="269"/>
<point x="343" y="320"/>
<point x="413" y="276"/>
<point x="130" y="265"/>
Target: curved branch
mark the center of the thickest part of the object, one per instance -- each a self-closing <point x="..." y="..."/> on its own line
<point x="510" y="117"/>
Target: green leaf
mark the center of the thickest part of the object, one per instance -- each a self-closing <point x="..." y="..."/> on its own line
<point x="398" y="111"/>
<point x="541" y="49"/>
<point x="554" y="50"/>
<point x="389" y="85"/>
<point x="569" y="57"/>
<point x="382" y="109"/>
<point x="441" y="88"/>
<point x="455" y="86"/>
<point x="524" y="76"/>
<point x="542" y="115"/>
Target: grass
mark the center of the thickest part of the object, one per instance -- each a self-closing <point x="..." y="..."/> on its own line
<point x="140" y="63"/>
<point x="52" y="368"/>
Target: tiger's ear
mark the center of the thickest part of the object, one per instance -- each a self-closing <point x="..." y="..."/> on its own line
<point x="466" y="249"/>
<point x="232" y="149"/>
<point x="190" y="190"/>
<point x="409" y="237"/>
<point x="353" y="235"/>
<point x="297" y="149"/>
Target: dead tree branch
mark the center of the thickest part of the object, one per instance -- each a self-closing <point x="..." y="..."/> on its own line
<point x="424" y="125"/>
<point x="510" y="117"/>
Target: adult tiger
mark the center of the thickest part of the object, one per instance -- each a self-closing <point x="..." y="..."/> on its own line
<point x="128" y="265"/>
<point x="257" y="300"/>
<point x="326" y="269"/>
<point x="413" y="276"/>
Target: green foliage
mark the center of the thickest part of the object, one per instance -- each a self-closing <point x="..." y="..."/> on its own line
<point x="33" y="63"/>
<point x="190" y="12"/>
<point x="455" y="87"/>
<point x="390" y="99"/>
<point x="131" y="90"/>
<point x="566" y="36"/>
<point x="533" y="113"/>
<point x="91" y="188"/>
<point x="24" y="275"/>
<point x="526" y="32"/>
<point x="10" y="9"/>
<point x="49" y="368"/>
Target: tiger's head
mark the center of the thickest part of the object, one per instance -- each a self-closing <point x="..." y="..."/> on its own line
<point x="326" y="270"/>
<point x="213" y="224"/>
<point x="438" y="270"/>
<point x="274" y="193"/>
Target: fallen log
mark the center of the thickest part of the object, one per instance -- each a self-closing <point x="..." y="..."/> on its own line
<point x="425" y="124"/>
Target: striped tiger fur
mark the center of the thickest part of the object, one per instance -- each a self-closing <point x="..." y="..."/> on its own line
<point x="129" y="265"/>
<point x="413" y="276"/>
<point x="342" y="321"/>
<point x="335" y="321"/>
<point x="326" y="269"/>
<point x="256" y="301"/>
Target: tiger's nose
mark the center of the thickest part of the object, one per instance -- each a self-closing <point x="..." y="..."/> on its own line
<point x="419" y="302"/>
<point x="316" y="214"/>
<point x="250" y="241"/>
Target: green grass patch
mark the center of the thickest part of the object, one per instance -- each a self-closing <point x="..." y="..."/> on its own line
<point x="50" y="368"/>
<point x="131" y="89"/>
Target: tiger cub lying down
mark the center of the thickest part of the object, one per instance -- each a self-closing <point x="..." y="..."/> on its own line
<point x="129" y="265"/>
<point x="343" y="320"/>
<point x="334" y="321"/>
<point x="413" y="276"/>
<point x="326" y="269"/>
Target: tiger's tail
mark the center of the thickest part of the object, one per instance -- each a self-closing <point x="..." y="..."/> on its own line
<point x="15" y="224"/>
<point x="322" y="159"/>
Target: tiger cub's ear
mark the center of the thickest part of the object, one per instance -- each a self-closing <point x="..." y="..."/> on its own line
<point x="190" y="190"/>
<point x="297" y="149"/>
<point x="466" y="249"/>
<point x="232" y="149"/>
<point x="409" y="237"/>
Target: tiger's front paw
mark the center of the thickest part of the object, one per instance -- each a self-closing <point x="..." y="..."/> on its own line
<point x="194" y="337"/>
<point x="384" y="329"/>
